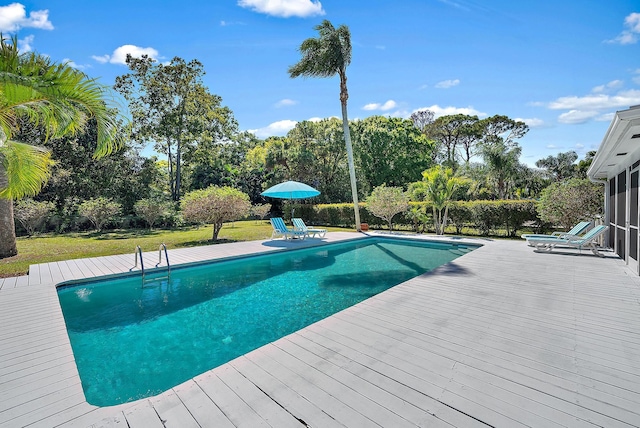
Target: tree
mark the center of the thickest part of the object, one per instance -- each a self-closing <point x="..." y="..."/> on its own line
<point x="570" y="201"/>
<point x="31" y="214"/>
<point x="172" y="108"/>
<point x="438" y="186"/>
<point x="56" y="96"/>
<point x="215" y="205"/>
<point x="260" y="211"/>
<point x="390" y="150"/>
<point x="452" y="131"/>
<point x="326" y="56"/>
<point x="151" y="210"/>
<point x="99" y="211"/>
<point x="422" y="119"/>
<point x="561" y="166"/>
<point x="385" y="202"/>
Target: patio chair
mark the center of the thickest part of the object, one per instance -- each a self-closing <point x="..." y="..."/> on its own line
<point x="574" y="232"/>
<point x="298" y="224"/>
<point x="281" y="229"/>
<point x="588" y="240"/>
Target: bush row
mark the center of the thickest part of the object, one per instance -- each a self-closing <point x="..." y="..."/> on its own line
<point x="487" y="217"/>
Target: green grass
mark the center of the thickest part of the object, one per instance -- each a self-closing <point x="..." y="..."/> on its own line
<point x="54" y="247"/>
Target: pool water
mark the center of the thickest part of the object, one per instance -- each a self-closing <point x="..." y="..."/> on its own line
<point x="132" y="342"/>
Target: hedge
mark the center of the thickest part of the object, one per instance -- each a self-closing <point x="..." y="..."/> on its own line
<point x="485" y="216"/>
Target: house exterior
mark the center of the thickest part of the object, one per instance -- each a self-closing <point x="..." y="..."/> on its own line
<point x="617" y="165"/>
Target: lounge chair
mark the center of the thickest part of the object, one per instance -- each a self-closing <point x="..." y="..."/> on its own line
<point x="574" y="232"/>
<point x="298" y="224"/>
<point x="281" y="229"/>
<point x="588" y="240"/>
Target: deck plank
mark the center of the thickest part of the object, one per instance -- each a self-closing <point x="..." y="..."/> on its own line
<point x="542" y="340"/>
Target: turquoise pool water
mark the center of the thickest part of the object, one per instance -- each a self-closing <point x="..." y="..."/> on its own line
<point x="132" y="342"/>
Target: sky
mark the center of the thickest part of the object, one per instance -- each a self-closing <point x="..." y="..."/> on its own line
<point x="562" y="67"/>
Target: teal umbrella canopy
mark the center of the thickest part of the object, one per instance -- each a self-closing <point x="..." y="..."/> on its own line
<point x="291" y="190"/>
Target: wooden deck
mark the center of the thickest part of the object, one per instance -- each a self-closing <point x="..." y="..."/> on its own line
<point x="500" y="337"/>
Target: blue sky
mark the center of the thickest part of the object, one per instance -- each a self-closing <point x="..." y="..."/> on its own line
<point x="563" y="67"/>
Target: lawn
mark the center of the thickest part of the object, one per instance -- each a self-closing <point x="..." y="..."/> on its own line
<point x="53" y="247"/>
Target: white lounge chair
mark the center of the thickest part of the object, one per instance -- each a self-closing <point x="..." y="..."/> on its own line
<point x="574" y="232"/>
<point x="281" y="229"/>
<point x="298" y="224"/>
<point x="588" y="240"/>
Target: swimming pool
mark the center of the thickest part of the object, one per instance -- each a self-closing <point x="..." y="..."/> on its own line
<point x="131" y="341"/>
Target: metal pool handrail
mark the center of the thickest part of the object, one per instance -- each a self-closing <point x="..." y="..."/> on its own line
<point x="166" y="256"/>
<point x="138" y="253"/>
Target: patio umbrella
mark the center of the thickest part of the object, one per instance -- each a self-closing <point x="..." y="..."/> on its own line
<point x="291" y="190"/>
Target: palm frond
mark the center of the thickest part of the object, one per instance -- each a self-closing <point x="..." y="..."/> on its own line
<point x="26" y="169"/>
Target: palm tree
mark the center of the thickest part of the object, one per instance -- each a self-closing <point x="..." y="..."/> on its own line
<point x="56" y="97"/>
<point x="439" y="185"/>
<point x="326" y="56"/>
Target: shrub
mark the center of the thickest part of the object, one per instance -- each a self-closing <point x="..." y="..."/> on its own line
<point x="568" y="202"/>
<point x="260" y="211"/>
<point x="385" y="202"/>
<point x="99" y="211"/>
<point x="31" y="214"/>
<point x="215" y="205"/>
<point x="150" y="210"/>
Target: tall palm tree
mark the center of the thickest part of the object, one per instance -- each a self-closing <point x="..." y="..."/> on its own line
<point x="326" y="56"/>
<point x="56" y="97"/>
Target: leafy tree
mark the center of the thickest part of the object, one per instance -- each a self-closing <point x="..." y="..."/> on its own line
<point x="326" y="56"/>
<point x="561" y="166"/>
<point x="260" y="210"/>
<point x="215" y="205"/>
<point x="99" y="211"/>
<point x="584" y="164"/>
<point x="390" y="151"/>
<point x="151" y="210"/>
<point x="570" y="201"/>
<point x="31" y="214"/>
<point x="172" y="108"/>
<point x="61" y="99"/>
<point x="385" y="202"/>
<point x="453" y="131"/>
<point x="438" y="186"/>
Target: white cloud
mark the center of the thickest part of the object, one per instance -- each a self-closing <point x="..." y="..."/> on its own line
<point x="445" y="111"/>
<point x="597" y="101"/>
<point x="74" y="65"/>
<point x="551" y="146"/>
<point x="630" y="34"/>
<point x="446" y="84"/>
<point x="284" y="8"/>
<point x="14" y="17"/>
<point x="25" y="45"/>
<point x="579" y="146"/>
<point x="101" y="59"/>
<point x="607" y="117"/>
<point x="383" y="107"/>
<point x="614" y="84"/>
<point x="279" y="128"/>
<point x="286" y="103"/>
<point x="533" y="122"/>
<point x="577" y="116"/>
<point x="119" y="55"/>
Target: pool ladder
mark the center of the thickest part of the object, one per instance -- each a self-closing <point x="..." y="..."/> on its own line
<point x="138" y="256"/>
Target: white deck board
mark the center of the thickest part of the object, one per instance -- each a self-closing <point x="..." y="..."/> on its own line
<point x="538" y="340"/>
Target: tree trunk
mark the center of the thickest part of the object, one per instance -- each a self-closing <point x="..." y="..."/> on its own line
<point x="7" y="229"/>
<point x="347" y="140"/>
<point x="8" y="246"/>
